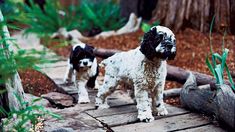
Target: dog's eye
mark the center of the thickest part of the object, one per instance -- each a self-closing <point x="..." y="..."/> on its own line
<point x="161" y="37"/>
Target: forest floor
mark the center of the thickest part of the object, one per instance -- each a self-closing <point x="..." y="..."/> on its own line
<point x="192" y="49"/>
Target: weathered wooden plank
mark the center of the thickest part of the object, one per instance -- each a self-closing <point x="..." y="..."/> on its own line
<point x="127" y="118"/>
<point x="72" y="119"/>
<point x="122" y="109"/>
<point x="206" y="128"/>
<point x="113" y="111"/>
<point x="165" y="124"/>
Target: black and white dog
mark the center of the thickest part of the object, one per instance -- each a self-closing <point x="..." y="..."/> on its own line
<point x="82" y="70"/>
<point x="144" y="68"/>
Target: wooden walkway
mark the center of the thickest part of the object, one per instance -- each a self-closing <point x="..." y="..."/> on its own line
<point x="122" y="117"/>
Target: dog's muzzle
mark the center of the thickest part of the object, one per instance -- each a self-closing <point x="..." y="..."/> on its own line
<point x="169" y="50"/>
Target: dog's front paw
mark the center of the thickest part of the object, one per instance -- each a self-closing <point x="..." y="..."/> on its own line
<point x="103" y="106"/>
<point x="97" y="86"/>
<point x="67" y="82"/>
<point x="145" y="117"/>
<point x="161" y="111"/>
<point x="99" y="103"/>
<point x="83" y="100"/>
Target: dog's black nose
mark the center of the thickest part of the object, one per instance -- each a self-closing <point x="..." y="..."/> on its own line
<point x="85" y="63"/>
<point x="169" y="46"/>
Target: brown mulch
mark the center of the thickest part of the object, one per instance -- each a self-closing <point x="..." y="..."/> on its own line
<point x="192" y="49"/>
<point x="36" y="83"/>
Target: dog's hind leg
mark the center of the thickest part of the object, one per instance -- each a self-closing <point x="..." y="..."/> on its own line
<point x="109" y="86"/>
<point x="143" y="104"/>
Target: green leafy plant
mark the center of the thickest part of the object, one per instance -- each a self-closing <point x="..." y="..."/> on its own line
<point x="46" y="22"/>
<point x="145" y="27"/>
<point x="20" y="60"/>
<point x="103" y="14"/>
<point x="40" y="22"/>
<point x="10" y="8"/>
<point x="28" y="114"/>
<point x="219" y="64"/>
<point x="26" y="118"/>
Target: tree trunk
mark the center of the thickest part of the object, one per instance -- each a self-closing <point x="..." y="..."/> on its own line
<point x="141" y="8"/>
<point x="12" y="84"/>
<point x="197" y="14"/>
<point x="232" y="16"/>
<point x="219" y="103"/>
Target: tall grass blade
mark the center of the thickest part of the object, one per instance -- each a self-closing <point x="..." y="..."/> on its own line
<point x="230" y="77"/>
<point x="218" y="74"/>
<point x="210" y="35"/>
<point x="224" y="57"/>
<point x="208" y="63"/>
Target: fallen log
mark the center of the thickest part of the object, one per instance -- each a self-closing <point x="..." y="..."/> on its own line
<point x="105" y="53"/>
<point x="173" y="73"/>
<point x="175" y="92"/>
<point x="219" y="103"/>
<point x="180" y="75"/>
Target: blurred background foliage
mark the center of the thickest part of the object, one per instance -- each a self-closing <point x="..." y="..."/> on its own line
<point x="86" y="16"/>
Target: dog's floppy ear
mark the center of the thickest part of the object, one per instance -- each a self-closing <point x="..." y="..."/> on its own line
<point x="150" y="35"/>
<point x="89" y="48"/>
<point x="74" y="53"/>
<point x="147" y="44"/>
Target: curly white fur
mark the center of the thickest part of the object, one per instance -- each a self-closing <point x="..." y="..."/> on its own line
<point x="133" y="68"/>
<point x="146" y="76"/>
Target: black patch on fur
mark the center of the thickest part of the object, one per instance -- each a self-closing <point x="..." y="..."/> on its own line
<point x="158" y="105"/>
<point x="80" y="53"/>
<point x="91" y="81"/>
<point x="172" y="56"/>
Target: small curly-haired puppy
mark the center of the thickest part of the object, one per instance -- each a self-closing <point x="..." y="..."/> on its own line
<point x="143" y="68"/>
<point x="82" y="70"/>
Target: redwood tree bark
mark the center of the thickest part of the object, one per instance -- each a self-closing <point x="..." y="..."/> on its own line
<point x="197" y="14"/>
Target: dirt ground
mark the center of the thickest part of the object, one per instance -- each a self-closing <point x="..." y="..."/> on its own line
<point x="192" y="49"/>
<point x="36" y="83"/>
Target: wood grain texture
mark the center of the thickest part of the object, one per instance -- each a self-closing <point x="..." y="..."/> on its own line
<point x="206" y="128"/>
<point x="165" y="124"/>
<point x="131" y="117"/>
